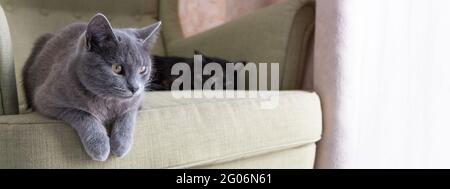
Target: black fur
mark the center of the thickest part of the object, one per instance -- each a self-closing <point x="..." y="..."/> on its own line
<point x="161" y="78"/>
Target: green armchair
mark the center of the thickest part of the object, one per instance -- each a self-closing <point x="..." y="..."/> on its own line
<point x="170" y="132"/>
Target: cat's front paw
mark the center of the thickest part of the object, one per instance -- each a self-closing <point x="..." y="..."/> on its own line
<point x="121" y="144"/>
<point x="97" y="146"/>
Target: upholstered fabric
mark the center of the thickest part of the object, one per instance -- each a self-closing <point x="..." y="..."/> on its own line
<point x="8" y="97"/>
<point x="28" y="19"/>
<point x="180" y="133"/>
<point x="168" y="14"/>
<point x="278" y="34"/>
<point x="292" y="158"/>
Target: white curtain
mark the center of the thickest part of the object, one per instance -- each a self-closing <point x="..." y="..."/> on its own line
<point x="382" y="69"/>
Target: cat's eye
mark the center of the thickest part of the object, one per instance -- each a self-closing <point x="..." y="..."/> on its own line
<point x="143" y="69"/>
<point x="116" y="68"/>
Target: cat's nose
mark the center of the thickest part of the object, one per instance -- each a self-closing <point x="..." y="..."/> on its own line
<point x="133" y="89"/>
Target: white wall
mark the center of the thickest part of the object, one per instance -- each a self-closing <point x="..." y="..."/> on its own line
<point x="382" y="69"/>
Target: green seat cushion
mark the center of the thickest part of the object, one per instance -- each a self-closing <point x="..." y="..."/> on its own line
<point x="175" y="133"/>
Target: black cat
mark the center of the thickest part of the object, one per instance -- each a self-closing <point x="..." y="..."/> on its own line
<point x="161" y="78"/>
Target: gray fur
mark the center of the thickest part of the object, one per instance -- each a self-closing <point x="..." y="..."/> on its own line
<point x="68" y="76"/>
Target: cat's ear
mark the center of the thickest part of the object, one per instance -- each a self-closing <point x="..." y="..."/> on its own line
<point x="149" y="34"/>
<point x="99" y="33"/>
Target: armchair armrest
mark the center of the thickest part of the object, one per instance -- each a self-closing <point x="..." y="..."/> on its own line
<point x="281" y="33"/>
<point x="180" y="133"/>
<point x="8" y="92"/>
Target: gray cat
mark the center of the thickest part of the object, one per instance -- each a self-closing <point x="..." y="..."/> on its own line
<point x="92" y="77"/>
